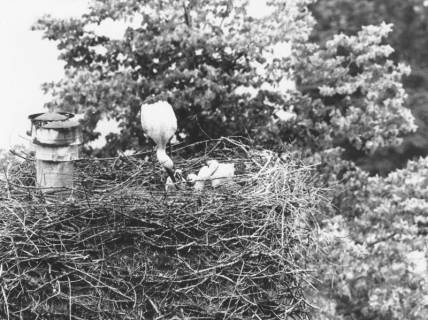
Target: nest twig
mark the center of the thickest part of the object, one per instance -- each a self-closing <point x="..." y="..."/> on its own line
<point x="124" y="249"/>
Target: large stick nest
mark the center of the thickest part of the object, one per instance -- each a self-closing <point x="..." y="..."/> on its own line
<point x="124" y="249"/>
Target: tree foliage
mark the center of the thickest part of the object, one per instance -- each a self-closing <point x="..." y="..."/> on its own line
<point x="377" y="266"/>
<point x="198" y="55"/>
<point x="410" y="43"/>
<point x="355" y="90"/>
<point x="217" y="66"/>
<point x="408" y="18"/>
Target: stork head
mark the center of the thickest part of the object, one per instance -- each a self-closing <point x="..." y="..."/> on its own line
<point x="212" y="165"/>
<point x="164" y="159"/>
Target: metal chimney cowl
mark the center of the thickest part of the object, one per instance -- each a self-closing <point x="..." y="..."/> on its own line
<point x="56" y="138"/>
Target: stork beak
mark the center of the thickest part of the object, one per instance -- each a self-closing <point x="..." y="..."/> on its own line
<point x="171" y="174"/>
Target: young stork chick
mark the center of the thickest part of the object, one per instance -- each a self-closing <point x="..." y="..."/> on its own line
<point x="218" y="173"/>
<point x="204" y="174"/>
<point x="160" y="124"/>
<point x="223" y="174"/>
<point x="170" y="186"/>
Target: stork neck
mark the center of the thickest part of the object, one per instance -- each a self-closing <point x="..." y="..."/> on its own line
<point x="164" y="159"/>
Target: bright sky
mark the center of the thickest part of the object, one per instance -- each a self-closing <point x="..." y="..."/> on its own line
<point x="26" y="61"/>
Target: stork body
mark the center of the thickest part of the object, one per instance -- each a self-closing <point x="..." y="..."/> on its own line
<point x="204" y="174"/>
<point x="217" y="173"/>
<point x="160" y="124"/>
<point x="223" y="175"/>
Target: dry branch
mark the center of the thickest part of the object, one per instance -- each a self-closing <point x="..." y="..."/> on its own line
<point x="124" y="249"/>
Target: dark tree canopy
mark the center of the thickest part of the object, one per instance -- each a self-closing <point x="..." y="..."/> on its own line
<point x="195" y="54"/>
<point x="217" y="66"/>
<point x="410" y="41"/>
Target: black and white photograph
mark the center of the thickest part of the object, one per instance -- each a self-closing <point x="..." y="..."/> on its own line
<point x="214" y="160"/>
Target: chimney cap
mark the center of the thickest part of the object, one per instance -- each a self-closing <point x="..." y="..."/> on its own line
<point x="51" y="116"/>
<point x="62" y="124"/>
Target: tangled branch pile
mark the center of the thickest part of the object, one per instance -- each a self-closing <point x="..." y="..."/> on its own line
<point x="124" y="249"/>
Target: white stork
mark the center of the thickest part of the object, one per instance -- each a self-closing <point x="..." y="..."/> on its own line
<point x="218" y="173"/>
<point x="204" y="174"/>
<point x="223" y="175"/>
<point x="160" y="124"/>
